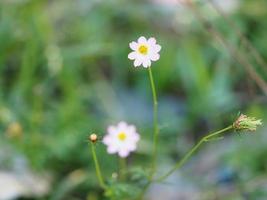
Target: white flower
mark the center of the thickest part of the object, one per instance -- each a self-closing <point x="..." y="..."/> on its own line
<point x="144" y="51"/>
<point x="121" y="139"/>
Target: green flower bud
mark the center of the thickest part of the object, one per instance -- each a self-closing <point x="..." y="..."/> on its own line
<point x="244" y="122"/>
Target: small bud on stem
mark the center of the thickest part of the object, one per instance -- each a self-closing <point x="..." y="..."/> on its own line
<point x="93" y="138"/>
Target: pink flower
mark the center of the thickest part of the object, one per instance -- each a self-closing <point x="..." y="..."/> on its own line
<point x="121" y="139"/>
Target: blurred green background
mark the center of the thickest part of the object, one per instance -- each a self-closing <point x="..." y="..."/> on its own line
<point x="64" y="74"/>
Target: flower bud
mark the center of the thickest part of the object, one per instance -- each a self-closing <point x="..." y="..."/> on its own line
<point x="93" y="138"/>
<point x="244" y="122"/>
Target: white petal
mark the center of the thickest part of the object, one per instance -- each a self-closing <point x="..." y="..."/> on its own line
<point x="154" y="57"/>
<point x="132" y="147"/>
<point x="156" y="48"/>
<point x="112" y="149"/>
<point x="142" y="39"/>
<point x="132" y="128"/>
<point x="152" y="41"/>
<point x="137" y="62"/>
<point x="132" y="55"/>
<point x="149" y="63"/>
<point x="122" y="125"/>
<point x="124" y="153"/>
<point x="136" y="137"/>
<point x="111" y="130"/>
<point x="146" y="63"/>
<point x="133" y="45"/>
<point x="107" y="140"/>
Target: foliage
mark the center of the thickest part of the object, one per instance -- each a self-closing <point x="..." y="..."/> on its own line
<point x="64" y="74"/>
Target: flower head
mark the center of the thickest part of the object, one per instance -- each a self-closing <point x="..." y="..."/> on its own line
<point x="144" y="51"/>
<point x="121" y="139"/>
<point x="244" y="122"/>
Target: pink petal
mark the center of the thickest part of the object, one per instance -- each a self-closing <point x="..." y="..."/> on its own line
<point x="107" y="140"/>
<point x="132" y="147"/>
<point x="157" y="48"/>
<point x="146" y="63"/>
<point x="133" y="45"/>
<point x="111" y="130"/>
<point x="124" y="153"/>
<point x="152" y="41"/>
<point x="137" y="62"/>
<point x="136" y="137"/>
<point x="142" y="39"/>
<point x="132" y="128"/>
<point x="112" y="149"/>
<point x="132" y="55"/>
<point x="122" y="125"/>
<point x="155" y="57"/>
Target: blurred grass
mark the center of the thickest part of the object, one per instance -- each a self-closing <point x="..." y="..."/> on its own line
<point x="64" y="73"/>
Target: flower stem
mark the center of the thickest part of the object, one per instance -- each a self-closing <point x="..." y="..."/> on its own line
<point x="190" y="153"/>
<point x="156" y="130"/>
<point x="97" y="168"/>
<point x="122" y="164"/>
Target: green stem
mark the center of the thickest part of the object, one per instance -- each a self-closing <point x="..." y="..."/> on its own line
<point x="142" y="193"/>
<point x="156" y="130"/>
<point x="190" y="153"/>
<point x="97" y="168"/>
<point x="123" y="164"/>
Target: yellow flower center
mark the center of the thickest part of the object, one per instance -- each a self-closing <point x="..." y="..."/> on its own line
<point x="143" y="49"/>
<point x="122" y="136"/>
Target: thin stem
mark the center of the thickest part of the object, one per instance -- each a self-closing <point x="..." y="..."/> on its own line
<point x="192" y="151"/>
<point x="97" y="168"/>
<point x="141" y="195"/>
<point x="123" y="164"/>
<point x="155" y="134"/>
<point x="156" y="129"/>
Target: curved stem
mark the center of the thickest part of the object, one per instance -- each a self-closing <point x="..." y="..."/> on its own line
<point x="156" y="130"/>
<point x="190" y="153"/>
<point x="97" y="168"/>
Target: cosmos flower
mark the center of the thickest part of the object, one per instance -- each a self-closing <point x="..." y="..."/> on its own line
<point x="144" y="51"/>
<point x="121" y="139"/>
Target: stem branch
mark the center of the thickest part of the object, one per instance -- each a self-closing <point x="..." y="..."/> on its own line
<point x="190" y="153"/>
